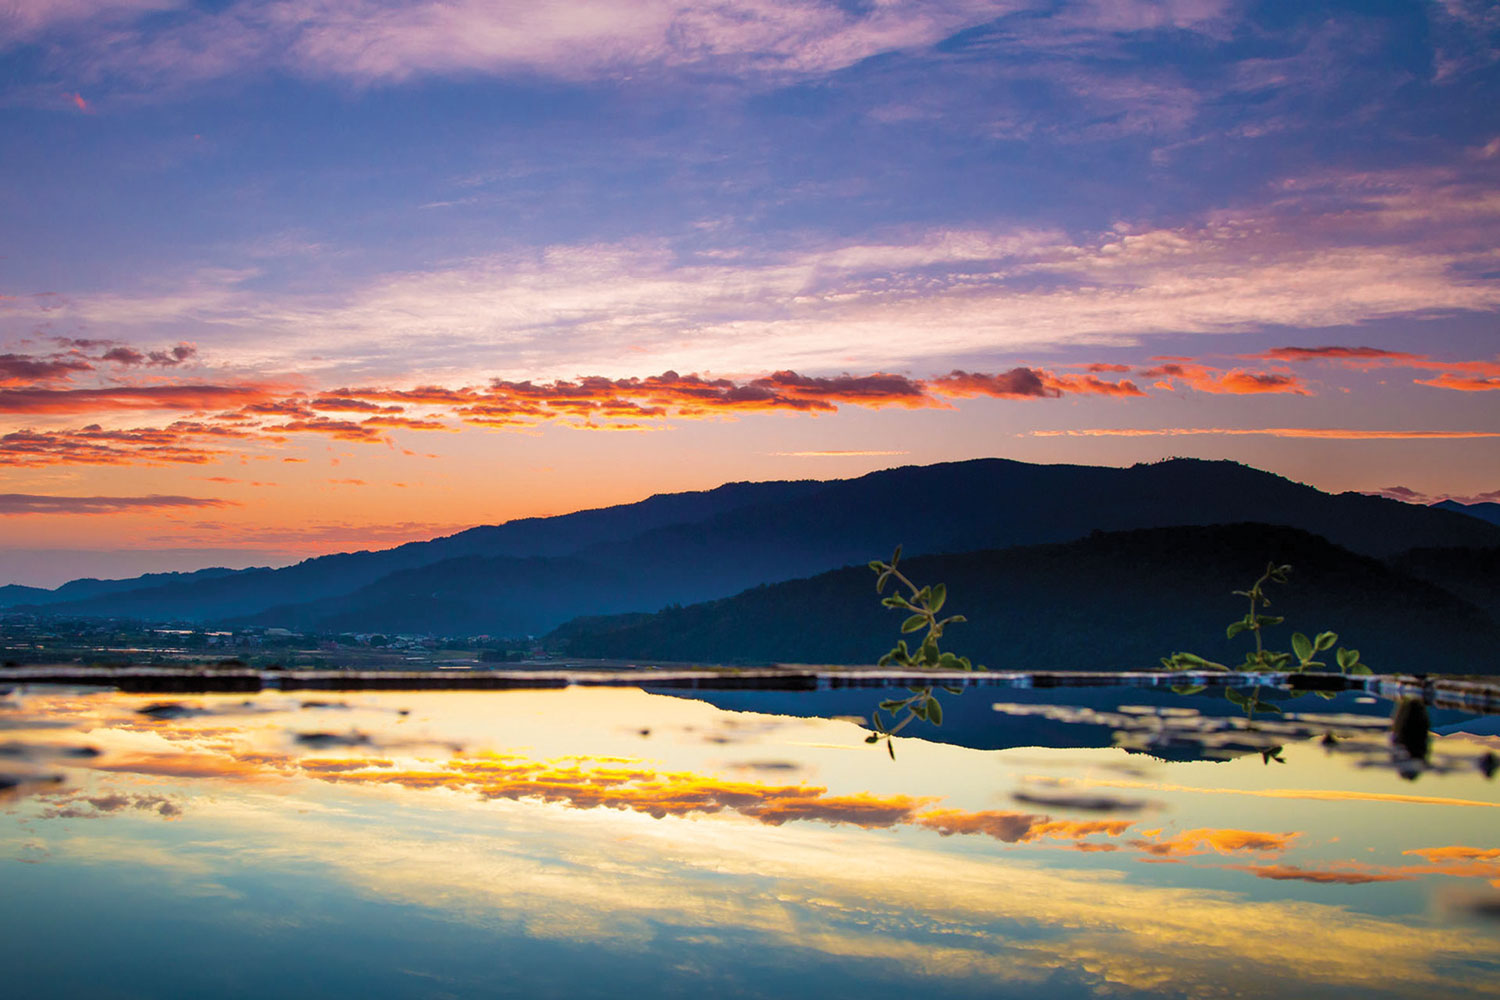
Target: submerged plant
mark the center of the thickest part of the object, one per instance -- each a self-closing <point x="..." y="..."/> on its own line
<point x="1261" y="659"/>
<point x="924" y="603"/>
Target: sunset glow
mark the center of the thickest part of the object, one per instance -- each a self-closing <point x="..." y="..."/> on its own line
<point x="291" y="278"/>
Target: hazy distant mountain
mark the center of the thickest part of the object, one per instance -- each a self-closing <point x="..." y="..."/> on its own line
<point x="256" y="590"/>
<point x="88" y="587"/>
<point x="1116" y="600"/>
<point x="528" y="576"/>
<point x="14" y="593"/>
<point x="1484" y="511"/>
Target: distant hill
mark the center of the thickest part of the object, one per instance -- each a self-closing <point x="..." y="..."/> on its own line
<point x="529" y="576"/>
<point x="1484" y="511"/>
<point x="1113" y="600"/>
<point x="14" y="593"/>
<point x="88" y="588"/>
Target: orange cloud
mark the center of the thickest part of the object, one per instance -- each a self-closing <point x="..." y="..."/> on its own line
<point x="1320" y="875"/>
<point x="343" y="430"/>
<point x="320" y="765"/>
<point x="248" y="767"/>
<point x="1089" y="385"/>
<point x="335" y="403"/>
<point x="1444" y="855"/>
<point x="1464" y="376"/>
<point x="1463" y="383"/>
<point x="1202" y="840"/>
<point x="1202" y="378"/>
<point x="406" y="423"/>
<point x="1355" y="354"/>
<point x="1017" y="827"/>
<point x="644" y="791"/>
<point x="1018" y="383"/>
<point x="115" y="398"/>
<point x="31" y="449"/>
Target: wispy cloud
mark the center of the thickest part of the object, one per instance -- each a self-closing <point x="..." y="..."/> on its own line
<point x="925" y="299"/>
<point x="369" y="41"/>
<point x="835" y="454"/>
<point x="1465" y="376"/>
<point x="1330" y="433"/>
<point x="113" y="399"/>
<point x="25" y="503"/>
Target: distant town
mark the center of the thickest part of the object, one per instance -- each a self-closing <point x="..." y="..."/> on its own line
<point x="27" y="640"/>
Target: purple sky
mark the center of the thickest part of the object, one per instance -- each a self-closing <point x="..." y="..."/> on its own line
<point x="281" y="278"/>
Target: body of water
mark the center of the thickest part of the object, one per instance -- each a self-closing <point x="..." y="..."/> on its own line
<point x="606" y="842"/>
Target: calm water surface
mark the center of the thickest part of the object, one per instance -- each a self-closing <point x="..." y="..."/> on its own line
<point x="600" y="842"/>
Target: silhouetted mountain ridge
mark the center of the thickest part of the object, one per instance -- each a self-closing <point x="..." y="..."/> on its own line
<point x="529" y="576"/>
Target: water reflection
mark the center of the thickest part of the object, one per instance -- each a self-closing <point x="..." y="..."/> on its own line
<point x="585" y="842"/>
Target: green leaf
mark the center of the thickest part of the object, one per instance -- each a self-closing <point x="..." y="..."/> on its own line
<point x="895" y="557"/>
<point x="1360" y="668"/>
<point x="1302" y="646"/>
<point x="1267" y="706"/>
<point x="939" y="595"/>
<point x="873" y="738"/>
<point x="1237" y="628"/>
<point x="1325" y="640"/>
<point x="1264" y="620"/>
<point x="1237" y="696"/>
<point x="1188" y="688"/>
<point x="935" y="712"/>
<point x="913" y="623"/>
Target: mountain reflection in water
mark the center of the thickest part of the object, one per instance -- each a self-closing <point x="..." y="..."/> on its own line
<point x="587" y="842"/>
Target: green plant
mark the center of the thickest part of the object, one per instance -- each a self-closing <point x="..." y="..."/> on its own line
<point x="1261" y="659"/>
<point x="924" y="603"/>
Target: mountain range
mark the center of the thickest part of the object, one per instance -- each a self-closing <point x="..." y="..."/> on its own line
<point x="530" y="576"/>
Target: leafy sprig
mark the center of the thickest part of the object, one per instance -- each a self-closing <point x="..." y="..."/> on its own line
<point x="925" y="604"/>
<point x="1261" y="659"/>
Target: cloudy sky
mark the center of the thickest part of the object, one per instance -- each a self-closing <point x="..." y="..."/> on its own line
<point x="281" y="278"/>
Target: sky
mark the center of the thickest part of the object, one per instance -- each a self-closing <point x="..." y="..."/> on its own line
<point x="292" y="277"/>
